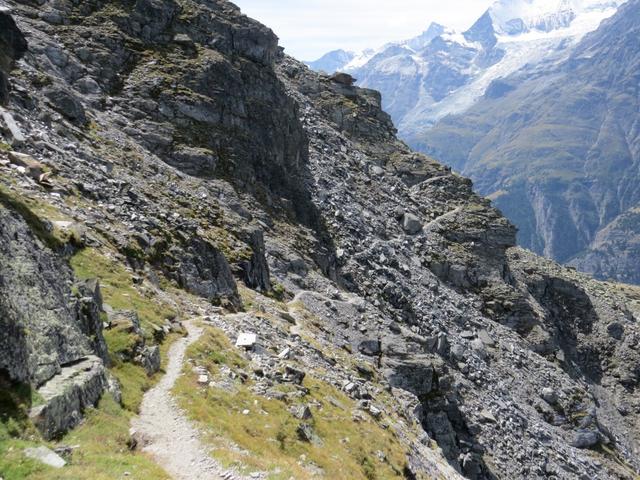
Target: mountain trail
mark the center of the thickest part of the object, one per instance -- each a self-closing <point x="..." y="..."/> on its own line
<point x="169" y="437"/>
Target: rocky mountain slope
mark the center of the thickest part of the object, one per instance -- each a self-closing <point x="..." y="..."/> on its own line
<point x="171" y="150"/>
<point x="556" y="147"/>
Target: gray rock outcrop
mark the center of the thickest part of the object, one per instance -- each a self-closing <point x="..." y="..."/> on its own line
<point x="40" y="331"/>
<point x="67" y="395"/>
<point x="13" y="46"/>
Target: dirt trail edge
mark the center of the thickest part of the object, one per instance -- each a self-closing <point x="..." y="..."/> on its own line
<point x="169" y="437"/>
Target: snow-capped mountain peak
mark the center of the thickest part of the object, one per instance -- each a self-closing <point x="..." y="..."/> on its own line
<point x="444" y="72"/>
<point x="514" y="17"/>
<point x="422" y="40"/>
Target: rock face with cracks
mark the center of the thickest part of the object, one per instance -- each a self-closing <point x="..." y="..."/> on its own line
<point x="179" y="134"/>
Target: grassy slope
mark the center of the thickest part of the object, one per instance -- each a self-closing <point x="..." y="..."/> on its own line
<point x="266" y="439"/>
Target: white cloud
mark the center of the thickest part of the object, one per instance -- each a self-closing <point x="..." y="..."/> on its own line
<point x="310" y="28"/>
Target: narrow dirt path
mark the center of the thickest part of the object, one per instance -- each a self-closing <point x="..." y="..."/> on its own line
<point x="169" y="437"/>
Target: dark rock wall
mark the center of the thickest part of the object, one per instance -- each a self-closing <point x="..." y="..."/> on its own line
<point x="41" y="329"/>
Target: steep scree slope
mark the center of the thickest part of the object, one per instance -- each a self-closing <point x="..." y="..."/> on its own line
<point x="182" y="141"/>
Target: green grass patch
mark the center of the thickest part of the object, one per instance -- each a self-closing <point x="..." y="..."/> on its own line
<point x="268" y="437"/>
<point x="118" y="289"/>
<point x="120" y="293"/>
<point x="101" y="454"/>
<point x="37" y="214"/>
<point x="16" y="399"/>
<point x="13" y="463"/>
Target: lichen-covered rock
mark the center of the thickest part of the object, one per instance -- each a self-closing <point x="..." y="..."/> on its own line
<point x="256" y="269"/>
<point x="203" y="270"/>
<point x="40" y="331"/>
<point x="66" y="104"/>
<point x="149" y="358"/>
<point x="89" y="311"/>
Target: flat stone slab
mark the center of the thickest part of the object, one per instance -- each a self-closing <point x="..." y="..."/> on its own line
<point x="67" y="395"/>
<point x="46" y="456"/>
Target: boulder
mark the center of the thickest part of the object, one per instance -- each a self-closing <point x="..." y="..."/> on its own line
<point x="486" y="338"/>
<point x="67" y="395"/>
<point x="67" y="104"/>
<point x="411" y="224"/>
<point x="33" y="168"/>
<point x="124" y="319"/>
<point x="12" y="130"/>
<point x="370" y="347"/>
<point x="585" y="439"/>
<point x="302" y="412"/>
<point x="307" y="434"/>
<point x="149" y="358"/>
<point x="343" y="79"/>
<point x="246" y="340"/>
<point x="293" y="375"/>
<point x="549" y="395"/>
<point x="615" y="330"/>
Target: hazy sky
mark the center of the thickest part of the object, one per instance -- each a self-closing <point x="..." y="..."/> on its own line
<point x="310" y="28"/>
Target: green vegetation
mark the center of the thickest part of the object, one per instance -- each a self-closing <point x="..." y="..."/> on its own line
<point x="37" y="214"/>
<point x="267" y="437"/>
<point x="15" y="402"/>
<point x="233" y="250"/>
<point x="118" y="289"/>
<point x="102" y="452"/>
<point x="278" y="292"/>
<point x="102" y="439"/>
<point x="120" y="293"/>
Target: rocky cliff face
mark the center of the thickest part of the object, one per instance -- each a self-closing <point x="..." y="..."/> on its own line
<point x="183" y="145"/>
<point x="46" y="330"/>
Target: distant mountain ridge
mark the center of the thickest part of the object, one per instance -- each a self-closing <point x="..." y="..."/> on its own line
<point x="557" y="148"/>
<point x="444" y="72"/>
<point x="332" y="61"/>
